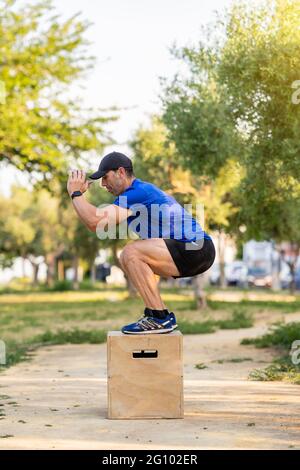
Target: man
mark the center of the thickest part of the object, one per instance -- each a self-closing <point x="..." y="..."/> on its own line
<point x="172" y="242"/>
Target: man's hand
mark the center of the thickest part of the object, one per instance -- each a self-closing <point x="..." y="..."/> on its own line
<point x="77" y="182"/>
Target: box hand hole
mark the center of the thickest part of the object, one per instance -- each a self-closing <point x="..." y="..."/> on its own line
<point x="145" y="354"/>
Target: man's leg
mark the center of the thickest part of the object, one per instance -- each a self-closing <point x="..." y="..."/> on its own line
<point x="141" y="260"/>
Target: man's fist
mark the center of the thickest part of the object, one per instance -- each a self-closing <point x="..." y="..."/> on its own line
<point x="77" y="181"/>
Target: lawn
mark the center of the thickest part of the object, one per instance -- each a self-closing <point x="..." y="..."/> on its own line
<point x="29" y="319"/>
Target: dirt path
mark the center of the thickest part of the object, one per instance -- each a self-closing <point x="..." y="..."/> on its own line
<point x="58" y="401"/>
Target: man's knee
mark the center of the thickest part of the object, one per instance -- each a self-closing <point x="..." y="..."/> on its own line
<point x="128" y="254"/>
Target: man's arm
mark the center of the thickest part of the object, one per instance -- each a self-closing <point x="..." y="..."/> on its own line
<point x="90" y="215"/>
<point x="93" y="217"/>
<point x="86" y="212"/>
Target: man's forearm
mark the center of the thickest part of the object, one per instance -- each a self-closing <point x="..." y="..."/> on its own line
<point x="86" y="212"/>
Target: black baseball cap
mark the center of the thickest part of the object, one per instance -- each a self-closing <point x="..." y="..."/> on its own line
<point x="111" y="161"/>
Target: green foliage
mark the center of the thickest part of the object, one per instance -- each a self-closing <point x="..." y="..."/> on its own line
<point x="198" y="118"/>
<point x="61" y="286"/>
<point x="201" y="366"/>
<point x="278" y="370"/>
<point x="18" y="352"/>
<point x="281" y="305"/>
<point x="235" y="103"/>
<point x="194" y="328"/>
<point x="15" y="352"/>
<point x="40" y="227"/>
<point x="34" y="226"/>
<point x="234" y="360"/>
<point x="75" y="336"/>
<point x="42" y="128"/>
<point x="258" y="64"/>
<point x="156" y="160"/>
<point x="236" y="321"/>
<point x="279" y="335"/>
<point x="239" y="319"/>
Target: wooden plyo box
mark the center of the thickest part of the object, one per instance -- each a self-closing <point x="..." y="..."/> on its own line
<point x="145" y="375"/>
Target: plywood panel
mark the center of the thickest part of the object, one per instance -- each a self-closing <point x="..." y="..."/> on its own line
<point x="145" y="375"/>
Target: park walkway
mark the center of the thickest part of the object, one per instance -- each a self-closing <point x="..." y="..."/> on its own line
<point x="58" y="401"/>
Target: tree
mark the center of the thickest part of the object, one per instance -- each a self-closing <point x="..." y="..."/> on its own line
<point x="30" y="228"/>
<point x="198" y="117"/>
<point x="156" y="160"/>
<point x="258" y="65"/>
<point x="244" y="74"/>
<point x="42" y="128"/>
<point x="17" y="231"/>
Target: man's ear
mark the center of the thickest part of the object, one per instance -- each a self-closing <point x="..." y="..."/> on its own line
<point x="122" y="171"/>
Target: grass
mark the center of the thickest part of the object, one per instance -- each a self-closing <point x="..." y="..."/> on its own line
<point x="235" y="360"/>
<point x="279" y="370"/>
<point x="280" y="336"/>
<point x="32" y="318"/>
<point x="74" y="336"/>
<point x="201" y="366"/>
<point x="277" y="305"/>
<point x="21" y="352"/>
<point x="236" y="321"/>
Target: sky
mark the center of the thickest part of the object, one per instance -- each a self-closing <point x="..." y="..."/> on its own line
<point x="131" y="41"/>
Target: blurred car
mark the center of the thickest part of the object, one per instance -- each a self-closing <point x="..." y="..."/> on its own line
<point x="259" y="277"/>
<point x="236" y="274"/>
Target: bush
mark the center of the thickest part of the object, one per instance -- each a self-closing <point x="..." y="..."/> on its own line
<point x="61" y="286"/>
<point x="280" y="336"/>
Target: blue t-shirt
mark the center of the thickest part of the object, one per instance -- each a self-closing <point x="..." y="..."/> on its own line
<point x="158" y="215"/>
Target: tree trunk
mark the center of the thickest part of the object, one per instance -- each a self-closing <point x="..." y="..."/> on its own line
<point x="200" y="295"/>
<point x="36" y="268"/>
<point x="221" y="250"/>
<point x="292" y="260"/>
<point x="23" y="265"/>
<point x="60" y="270"/>
<point x="75" y="282"/>
<point x="93" y="273"/>
<point x="50" y="262"/>
<point x="276" y="268"/>
<point x="293" y="281"/>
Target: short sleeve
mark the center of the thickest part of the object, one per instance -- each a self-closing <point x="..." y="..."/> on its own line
<point x="131" y="197"/>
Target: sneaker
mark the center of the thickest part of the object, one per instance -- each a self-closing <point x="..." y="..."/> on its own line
<point x="172" y="317"/>
<point x="149" y="324"/>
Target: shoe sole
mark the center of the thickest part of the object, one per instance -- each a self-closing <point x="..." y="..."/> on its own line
<point x="148" y="332"/>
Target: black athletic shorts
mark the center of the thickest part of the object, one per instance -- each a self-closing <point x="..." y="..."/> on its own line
<point x="191" y="258"/>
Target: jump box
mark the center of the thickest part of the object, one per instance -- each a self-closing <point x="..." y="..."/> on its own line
<point x="145" y="375"/>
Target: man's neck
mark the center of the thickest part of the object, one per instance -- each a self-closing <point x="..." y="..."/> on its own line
<point x="129" y="183"/>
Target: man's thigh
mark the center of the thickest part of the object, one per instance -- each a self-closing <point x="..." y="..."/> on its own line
<point x="155" y="253"/>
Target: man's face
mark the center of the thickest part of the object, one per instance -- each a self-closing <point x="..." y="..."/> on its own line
<point x="114" y="182"/>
